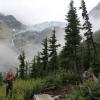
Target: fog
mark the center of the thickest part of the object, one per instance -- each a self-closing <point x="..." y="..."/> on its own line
<point x="8" y="58"/>
<point x="95" y="23"/>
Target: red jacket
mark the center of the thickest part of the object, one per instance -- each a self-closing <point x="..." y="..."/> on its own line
<point x="9" y="76"/>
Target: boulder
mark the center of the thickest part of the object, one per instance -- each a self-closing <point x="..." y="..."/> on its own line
<point x="43" y="97"/>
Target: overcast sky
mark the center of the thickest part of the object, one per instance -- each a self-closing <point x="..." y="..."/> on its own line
<point x="37" y="11"/>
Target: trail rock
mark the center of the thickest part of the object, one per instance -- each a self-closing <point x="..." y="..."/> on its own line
<point x="43" y="97"/>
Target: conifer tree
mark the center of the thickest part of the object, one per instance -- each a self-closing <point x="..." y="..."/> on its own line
<point x="1" y="79"/>
<point x="17" y="73"/>
<point x="72" y="39"/>
<point x="87" y="27"/>
<point x="44" y="56"/>
<point x="26" y="69"/>
<point x="53" y="59"/>
<point x="33" y="68"/>
<point x="38" y="59"/>
<point x="38" y="66"/>
<point x="22" y="65"/>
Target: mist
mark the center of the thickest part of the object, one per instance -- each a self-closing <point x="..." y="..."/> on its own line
<point x="95" y="23"/>
<point x="8" y="57"/>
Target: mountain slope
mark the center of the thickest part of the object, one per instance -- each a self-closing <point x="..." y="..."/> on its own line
<point x="9" y="26"/>
<point x="95" y="12"/>
<point x="97" y="36"/>
<point x="30" y="39"/>
<point x="15" y="37"/>
<point x="11" y="21"/>
<point x="94" y="15"/>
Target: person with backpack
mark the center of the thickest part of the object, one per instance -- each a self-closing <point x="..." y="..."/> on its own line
<point x="9" y="83"/>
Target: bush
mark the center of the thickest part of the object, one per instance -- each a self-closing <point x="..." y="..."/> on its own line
<point x="70" y="77"/>
<point x="24" y="89"/>
<point x="90" y="90"/>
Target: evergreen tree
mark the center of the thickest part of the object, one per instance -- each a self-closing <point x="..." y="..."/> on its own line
<point x="44" y="56"/>
<point x="72" y="40"/>
<point x="87" y="27"/>
<point x="38" y="66"/>
<point x="26" y="69"/>
<point x="1" y="79"/>
<point x="53" y="59"/>
<point x="33" y="69"/>
<point x="22" y="65"/>
<point x="17" y="73"/>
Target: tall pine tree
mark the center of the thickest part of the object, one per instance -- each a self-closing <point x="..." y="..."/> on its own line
<point x="72" y="39"/>
<point x="22" y="65"/>
<point x="33" y="69"/>
<point x="87" y="27"/>
<point x="26" y="70"/>
<point x="1" y="79"/>
<point x="53" y="53"/>
<point x="44" y="56"/>
<point x="38" y="66"/>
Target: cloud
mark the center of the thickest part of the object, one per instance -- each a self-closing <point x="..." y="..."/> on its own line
<point x="36" y="11"/>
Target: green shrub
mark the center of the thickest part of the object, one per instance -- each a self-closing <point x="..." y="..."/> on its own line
<point x="71" y="78"/>
<point x="90" y="90"/>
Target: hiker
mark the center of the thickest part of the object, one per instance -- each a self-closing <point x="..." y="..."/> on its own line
<point x="85" y="75"/>
<point x="9" y="82"/>
<point x="89" y="76"/>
